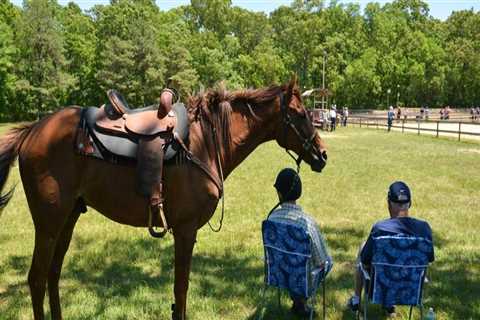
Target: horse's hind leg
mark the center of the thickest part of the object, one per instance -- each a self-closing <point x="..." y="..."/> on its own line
<point x="63" y="243"/>
<point x="49" y="222"/>
<point x="37" y="277"/>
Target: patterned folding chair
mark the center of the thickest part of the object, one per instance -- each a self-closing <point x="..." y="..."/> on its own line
<point x="397" y="273"/>
<point x="287" y="256"/>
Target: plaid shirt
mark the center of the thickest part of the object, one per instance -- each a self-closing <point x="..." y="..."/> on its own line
<point x="292" y="213"/>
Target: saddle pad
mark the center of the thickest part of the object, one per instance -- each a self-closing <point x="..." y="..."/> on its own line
<point x="126" y="147"/>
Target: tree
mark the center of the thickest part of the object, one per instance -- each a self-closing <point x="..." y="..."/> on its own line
<point x="128" y="57"/>
<point x="7" y="78"/>
<point x="79" y="43"/>
<point x="43" y="81"/>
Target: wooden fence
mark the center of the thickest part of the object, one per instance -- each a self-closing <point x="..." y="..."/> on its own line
<point x="433" y="127"/>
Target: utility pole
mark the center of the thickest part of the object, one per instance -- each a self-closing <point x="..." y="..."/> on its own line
<point x="323" y="78"/>
<point x="388" y="97"/>
<point x="398" y="94"/>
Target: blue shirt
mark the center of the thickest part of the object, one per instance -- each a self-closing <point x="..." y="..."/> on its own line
<point x="390" y="115"/>
<point x="396" y="226"/>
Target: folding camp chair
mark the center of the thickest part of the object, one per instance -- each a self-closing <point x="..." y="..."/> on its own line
<point x="287" y="262"/>
<point x="397" y="273"/>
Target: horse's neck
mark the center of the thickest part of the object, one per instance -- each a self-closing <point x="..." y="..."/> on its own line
<point x="247" y="134"/>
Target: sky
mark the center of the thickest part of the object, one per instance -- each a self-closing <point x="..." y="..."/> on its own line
<point x="440" y="9"/>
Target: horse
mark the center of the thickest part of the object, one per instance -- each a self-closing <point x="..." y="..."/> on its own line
<point x="225" y="127"/>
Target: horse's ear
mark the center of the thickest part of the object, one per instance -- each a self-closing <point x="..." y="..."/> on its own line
<point x="292" y="86"/>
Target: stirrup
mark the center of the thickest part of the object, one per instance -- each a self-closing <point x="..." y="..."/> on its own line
<point x="151" y="228"/>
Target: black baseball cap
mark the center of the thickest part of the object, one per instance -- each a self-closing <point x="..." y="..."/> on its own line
<point x="399" y="192"/>
<point x="288" y="184"/>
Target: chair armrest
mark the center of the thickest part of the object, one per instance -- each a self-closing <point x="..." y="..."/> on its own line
<point x="364" y="272"/>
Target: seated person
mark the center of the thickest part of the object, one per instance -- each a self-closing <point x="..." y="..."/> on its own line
<point x="289" y="189"/>
<point x="399" y="201"/>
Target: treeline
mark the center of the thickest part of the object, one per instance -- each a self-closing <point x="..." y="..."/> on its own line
<point x="51" y="56"/>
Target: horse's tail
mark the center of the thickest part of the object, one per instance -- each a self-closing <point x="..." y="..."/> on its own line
<point x="9" y="148"/>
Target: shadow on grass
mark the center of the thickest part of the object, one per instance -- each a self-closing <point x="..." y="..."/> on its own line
<point x="107" y="271"/>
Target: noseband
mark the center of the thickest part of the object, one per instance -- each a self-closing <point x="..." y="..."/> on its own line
<point x="307" y="142"/>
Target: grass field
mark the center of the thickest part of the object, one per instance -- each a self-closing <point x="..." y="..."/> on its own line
<point x="119" y="272"/>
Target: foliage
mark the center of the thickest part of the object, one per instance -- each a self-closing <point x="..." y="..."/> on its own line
<point x="52" y="55"/>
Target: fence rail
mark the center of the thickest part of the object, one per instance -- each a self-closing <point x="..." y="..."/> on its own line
<point x="450" y="128"/>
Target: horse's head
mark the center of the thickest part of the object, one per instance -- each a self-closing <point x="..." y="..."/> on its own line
<point x="296" y="131"/>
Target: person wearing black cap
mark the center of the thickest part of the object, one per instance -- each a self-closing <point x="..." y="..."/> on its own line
<point x="400" y="223"/>
<point x="289" y="190"/>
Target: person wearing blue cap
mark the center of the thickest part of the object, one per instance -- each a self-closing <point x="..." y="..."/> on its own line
<point x="289" y="190"/>
<point x="399" y="201"/>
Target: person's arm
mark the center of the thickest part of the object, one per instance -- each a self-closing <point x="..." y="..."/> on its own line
<point x="367" y="252"/>
<point x="319" y="247"/>
<point x="431" y="257"/>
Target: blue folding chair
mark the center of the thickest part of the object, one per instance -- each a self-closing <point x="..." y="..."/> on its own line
<point x="287" y="250"/>
<point x="397" y="273"/>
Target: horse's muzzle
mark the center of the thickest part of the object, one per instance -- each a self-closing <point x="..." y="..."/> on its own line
<point x="319" y="162"/>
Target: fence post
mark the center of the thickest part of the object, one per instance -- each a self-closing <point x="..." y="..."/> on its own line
<point x="459" y="129"/>
<point x="403" y="124"/>
<point x="376" y="120"/>
<point x="418" y="121"/>
<point x="360" y="122"/>
<point x="438" y="122"/>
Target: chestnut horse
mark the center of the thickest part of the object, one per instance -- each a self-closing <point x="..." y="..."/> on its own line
<point x="59" y="182"/>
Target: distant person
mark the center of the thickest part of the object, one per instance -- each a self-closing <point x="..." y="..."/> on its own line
<point x="427" y="113"/>
<point x="422" y="113"/>
<point x="446" y="113"/>
<point x="289" y="190"/>
<point x="399" y="113"/>
<point x="399" y="200"/>
<point x="442" y="113"/>
<point x="390" y="117"/>
<point x="345" y="116"/>
<point x="333" y="118"/>
<point x="473" y="113"/>
<point x="478" y="113"/>
<point x="326" y="119"/>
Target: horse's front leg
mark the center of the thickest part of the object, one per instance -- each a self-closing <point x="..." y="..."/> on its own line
<point x="184" y="242"/>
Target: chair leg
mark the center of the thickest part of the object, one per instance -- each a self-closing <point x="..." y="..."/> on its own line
<point x="410" y="314"/>
<point x="312" y="303"/>
<point x="262" y="305"/>
<point x="365" y="297"/>
<point x="357" y="314"/>
<point x="323" y="298"/>
<point x="278" y="295"/>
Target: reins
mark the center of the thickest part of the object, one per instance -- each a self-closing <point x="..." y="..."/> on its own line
<point x="222" y="190"/>
<point x="219" y="181"/>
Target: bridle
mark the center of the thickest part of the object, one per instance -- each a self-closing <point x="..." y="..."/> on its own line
<point x="287" y="121"/>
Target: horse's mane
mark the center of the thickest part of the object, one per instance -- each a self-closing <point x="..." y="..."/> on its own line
<point x="214" y="107"/>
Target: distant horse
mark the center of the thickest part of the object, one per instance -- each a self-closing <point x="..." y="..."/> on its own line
<point x="59" y="182"/>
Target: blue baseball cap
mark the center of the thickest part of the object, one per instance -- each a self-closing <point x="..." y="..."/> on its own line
<point x="399" y="192"/>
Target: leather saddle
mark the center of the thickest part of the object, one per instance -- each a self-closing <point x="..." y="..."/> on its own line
<point x="115" y="137"/>
<point x="119" y="119"/>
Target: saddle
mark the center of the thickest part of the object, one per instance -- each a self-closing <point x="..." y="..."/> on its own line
<point x="118" y="132"/>
<point x="119" y="119"/>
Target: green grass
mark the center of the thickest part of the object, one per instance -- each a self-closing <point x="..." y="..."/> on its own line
<point x="118" y="272"/>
